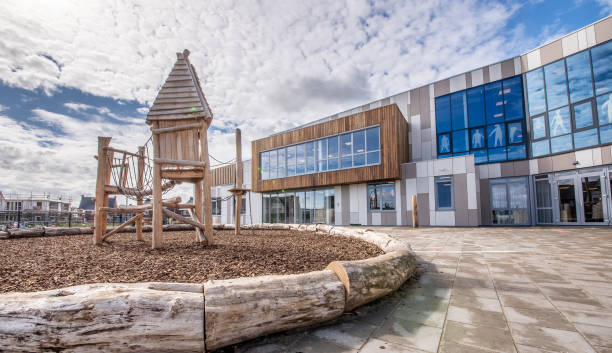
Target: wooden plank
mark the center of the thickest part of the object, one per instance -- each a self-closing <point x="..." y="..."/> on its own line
<point x="112" y="149"/>
<point x="175" y="84"/>
<point x="179" y="162"/>
<point x="176" y="128"/>
<point x="101" y="195"/>
<point x="182" y="173"/>
<point x="168" y="117"/>
<point x="188" y="100"/>
<point x="157" y="196"/>
<point x="177" y="111"/>
<point x="238" y="180"/>
<point x="119" y="228"/>
<point x="168" y="106"/>
<point x="140" y="185"/>
<point x="207" y="183"/>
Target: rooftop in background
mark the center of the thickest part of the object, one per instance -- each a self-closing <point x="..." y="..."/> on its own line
<point x="87" y="203"/>
<point x="37" y="197"/>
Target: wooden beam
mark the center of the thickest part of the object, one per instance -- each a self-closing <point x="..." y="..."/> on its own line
<point x="180" y="218"/>
<point x="111" y="189"/>
<point x="100" y="217"/>
<point x="415" y="212"/>
<point x="199" y="233"/>
<point x="207" y="182"/>
<point x="184" y="174"/>
<point x="176" y="128"/>
<point x="111" y="149"/>
<point x="140" y="184"/>
<point x="119" y="228"/>
<point x="160" y="161"/>
<point x="157" y="196"/>
<point x="238" y="180"/>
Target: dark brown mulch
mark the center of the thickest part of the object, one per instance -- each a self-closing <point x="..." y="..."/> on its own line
<point x="31" y="264"/>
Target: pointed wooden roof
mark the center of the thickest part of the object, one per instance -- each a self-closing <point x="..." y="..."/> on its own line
<point x="181" y="96"/>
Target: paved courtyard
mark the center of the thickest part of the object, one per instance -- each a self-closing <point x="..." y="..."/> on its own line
<point x="481" y="290"/>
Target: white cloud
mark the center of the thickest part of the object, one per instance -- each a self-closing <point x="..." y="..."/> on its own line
<point x="607" y="6"/>
<point x="2" y="108"/>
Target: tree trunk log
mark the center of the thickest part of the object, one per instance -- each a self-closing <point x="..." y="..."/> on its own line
<point x="141" y="317"/>
<point x="240" y="309"/>
<point x="370" y="279"/>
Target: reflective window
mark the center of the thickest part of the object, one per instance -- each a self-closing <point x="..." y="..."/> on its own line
<point x="443" y="116"/>
<point x="444" y="143"/>
<point x="509" y="201"/>
<point x="480" y="156"/>
<point x="494" y="102"/>
<point x="303" y="206"/>
<point x="273" y="159"/>
<point x="513" y="98"/>
<point x="381" y="197"/>
<point x="332" y="153"/>
<point x="458" y="110"/>
<point x="475" y="100"/>
<point x="515" y="132"/>
<point x="496" y="135"/>
<point x="586" y="138"/>
<point x="281" y="163"/>
<point x="538" y="127"/>
<point x="444" y="192"/>
<point x="301" y="159"/>
<point x="559" y="122"/>
<point x="517" y="152"/>
<point x="460" y="141"/>
<point x="583" y="115"/>
<point x="291" y="154"/>
<point x="497" y="154"/>
<point x="561" y="144"/>
<point x="477" y="138"/>
<point x="604" y="109"/>
<point x="605" y="134"/>
<point x="310" y="157"/>
<point x="535" y="92"/>
<point x="556" y="85"/>
<point x="602" y="70"/>
<point x="265" y="165"/>
<point x="373" y="139"/>
<point x="579" y="76"/>
<point x="540" y="148"/>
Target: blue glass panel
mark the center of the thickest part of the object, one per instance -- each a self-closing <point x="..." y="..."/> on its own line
<point x="300" y="159"/>
<point x="480" y="157"/>
<point x="359" y="160"/>
<point x="444" y="144"/>
<point x="281" y="157"/>
<point x="444" y="193"/>
<point x="310" y="165"/>
<point x="579" y="76"/>
<point x="602" y="70"/>
<point x="604" y="109"/>
<point x="515" y="132"/>
<point x="273" y="166"/>
<point x="265" y="166"/>
<point x="373" y="157"/>
<point x="322" y="166"/>
<point x="321" y="149"/>
<point x="494" y="102"/>
<point x="475" y="100"/>
<point x="497" y="154"/>
<point x="517" y="152"/>
<point x="460" y="141"/>
<point x="583" y="115"/>
<point x="513" y="98"/>
<point x="561" y="143"/>
<point x="605" y="134"/>
<point x="538" y="127"/>
<point x="556" y="86"/>
<point x="540" y="148"/>
<point x="359" y="141"/>
<point x="310" y="150"/>
<point x="373" y="139"/>
<point x="477" y="138"/>
<point x="332" y="164"/>
<point x="496" y="135"/>
<point x="559" y="122"/>
<point x="443" y="116"/>
<point x="586" y="138"/>
<point x="535" y="92"/>
<point x="346" y="148"/>
<point x="290" y="170"/>
<point x="332" y="147"/>
<point x="458" y="110"/>
<point x="346" y="162"/>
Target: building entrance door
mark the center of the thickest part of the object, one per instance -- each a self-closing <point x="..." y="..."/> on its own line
<point x="566" y="201"/>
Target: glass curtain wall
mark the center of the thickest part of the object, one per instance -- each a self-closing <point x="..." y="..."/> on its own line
<point x="509" y="201"/>
<point x="570" y="102"/>
<point x="301" y="206"/>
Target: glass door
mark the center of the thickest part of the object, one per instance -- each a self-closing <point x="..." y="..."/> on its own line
<point x="594" y="198"/>
<point x="566" y="200"/>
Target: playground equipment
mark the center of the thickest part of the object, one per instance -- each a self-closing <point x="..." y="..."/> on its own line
<point x="179" y="120"/>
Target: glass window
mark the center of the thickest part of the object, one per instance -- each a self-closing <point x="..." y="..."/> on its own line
<point x="509" y="201"/>
<point x="556" y="86"/>
<point x="460" y="141"/>
<point x="477" y="139"/>
<point x="329" y="206"/>
<point x="494" y="102"/>
<point x="602" y="70"/>
<point x="359" y="159"/>
<point x="444" y="144"/>
<point x="535" y="92"/>
<point x="559" y="122"/>
<point x="321" y="149"/>
<point x="265" y="166"/>
<point x="373" y="198"/>
<point x="515" y="132"/>
<point x="381" y="197"/>
<point x="346" y="145"/>
<point x="475" y="101"/>
<point x="538" y="127"/>
<point x="583" y="115"/>
<point x="373" y="139"/>
<point x="281" y="163"/>
<point x="605" y="134"/>
<point x="443" y="116"/>
<point x="273" y="159"/>
<point x="561" y="144"/>
<point x="319" y="206"/>
<point x="497" y="154"/>
<point x="579" y="76"/>
<point x="300" y="167"/>
<point x="480" y="157"/>
<point x="308" y="211"/>
<point x="373" y="157"/>
<point x="540" y="148"/>
<point x="301" y="206"/>
<point x="444" y="192"/>
<point x="388" y="197"/>
<point x="346" y="162"/>
<point x="496" y="135"/>
<point x="332" y="153"/>
<point x="310" y="160"/>
<point x="358" y="142"/>
<point x="586" y="138"/>
<point x="513" y="98"/>
<point x="543" y="200"/>
<point x="458" y="110"/>
<point x="517" y="152"/>
<point x="291" y="154"/>
<point x="604" y="109"/>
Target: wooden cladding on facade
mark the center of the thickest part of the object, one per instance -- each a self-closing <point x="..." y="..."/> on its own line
<point x="393" y="147"/>
<point x="225" y="175"/>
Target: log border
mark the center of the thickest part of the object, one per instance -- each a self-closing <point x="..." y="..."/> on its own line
<point x="357" y="282"/>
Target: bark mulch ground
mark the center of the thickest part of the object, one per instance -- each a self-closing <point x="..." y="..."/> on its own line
<point x="32" y="264"/>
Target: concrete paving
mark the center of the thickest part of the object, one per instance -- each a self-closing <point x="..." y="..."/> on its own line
<point x="480" y="290"/>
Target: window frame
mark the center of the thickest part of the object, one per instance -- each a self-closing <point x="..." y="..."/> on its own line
<point x="378" y="187"/>
<point x="442" y="179"/>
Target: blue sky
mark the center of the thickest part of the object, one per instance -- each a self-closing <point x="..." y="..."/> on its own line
<point x="73" y="70"/>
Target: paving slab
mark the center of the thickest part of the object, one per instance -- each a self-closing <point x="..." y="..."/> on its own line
<point x="410" y="334"/>
<point x="484" y="337"/>
<point x="538" y="317"/>
<point x="550" y="339"/>
<point x="378" y="346"/>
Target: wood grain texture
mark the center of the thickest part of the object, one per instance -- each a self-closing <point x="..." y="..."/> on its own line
<point x="225" y="175"/>
<point x="394" y="150"/>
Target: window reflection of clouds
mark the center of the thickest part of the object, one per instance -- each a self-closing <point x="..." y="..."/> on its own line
<point x="535" y="92"/>
<point x="579" y="76"/>
<point x="556" y="89"/>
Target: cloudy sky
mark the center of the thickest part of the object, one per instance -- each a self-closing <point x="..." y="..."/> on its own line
<point x="74" y="70"/>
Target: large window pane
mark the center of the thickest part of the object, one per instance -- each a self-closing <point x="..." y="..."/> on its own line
<point x="460" y="141"/>
<point x="605" y="134"/>
<point x="556" y="86"/>
<point x="604" y="109"/>
<point x="346" y="162"/>
<point x="496" y="135"/>
<point x="266" y="208"/>
<point x="499" y="196"/>
<point x="333" y="164"/>
<point x="265" y="166"/>
<point x="300" y="203"/>
<point x="373" y="139"/>
<point x="321" y="150"/>
<point x="481" y="156"/>
<point x="373" y="157"/>
<point x="330" y="207"/>
<point x="300" y="159"/>
<point x="373" y="198"/>
<point x="583" y="115"/>
<point x="515" y="132"/>
<point x="273" y="159"/>
<point x="517" y="193"/>
<point x="517" y="152"/>
<point x="477" y="138"/>
<point x="579" y="76"/>
<point x="458" y="110"/>
<point x="332" y="147"/>
<point x="346" y="144"/>
<point x="281" y="163"/>
<point x="535" y="92"/>
<point x="561" y="144"/>
<point x="444" y="144"/>
<point x="586" y="138"/>
<point x="559" y="122"/>
<point x="538" y="127"/>
<point x="388" y="196"/>
<point x="443" y="115"/>
<point x="602" y="70"/>
<point x="290" y="204"/>
<point x="359" y="142"/>
<point x="291" y="156"/>
<point x="497" y="154"/>
<point x="310" y="160"/>
<point x="444" y="192"/>
<point x="494" y="102"/>
<point x="359" y="159"/>
<point x="513" y="98"/>
<point x="475" y="100"/>
<point x="319" y="209"/>
<point x="308" y="211"/>
<point x="540" y="148"/>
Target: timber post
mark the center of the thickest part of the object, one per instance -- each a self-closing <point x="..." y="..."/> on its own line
<point x="238" y="195"/>
<point x="101" y="196"/>
<point x="208" y="222"/>
<point x="415" y="212"/>
<point x="139" y="201"/>
<point x="158" y="216"/>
